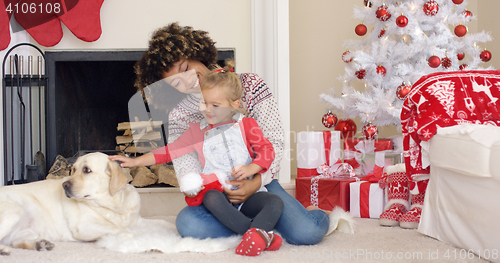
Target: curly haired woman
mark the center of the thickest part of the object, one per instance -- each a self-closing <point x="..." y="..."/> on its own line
<point x="174" y="49"/>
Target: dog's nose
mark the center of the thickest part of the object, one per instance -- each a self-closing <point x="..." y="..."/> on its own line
<point x="67" y="185"/>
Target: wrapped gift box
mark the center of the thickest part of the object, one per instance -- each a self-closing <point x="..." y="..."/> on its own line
<point x="367" y="199"/>
<point x="363" y="155"/>
<point x="316" y="148"/>
<point x="323" y="192"/>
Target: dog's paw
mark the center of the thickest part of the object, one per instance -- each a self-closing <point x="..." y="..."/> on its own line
<point x="44" y="245"/>
<point x="4" y="250"/>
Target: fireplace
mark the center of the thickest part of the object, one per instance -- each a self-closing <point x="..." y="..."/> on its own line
<point x="87" y="96"/>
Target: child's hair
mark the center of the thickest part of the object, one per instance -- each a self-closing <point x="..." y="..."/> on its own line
<point x="225" y="80"/>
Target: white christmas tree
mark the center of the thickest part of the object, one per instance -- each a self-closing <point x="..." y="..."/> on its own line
<point x="406" y="40"/>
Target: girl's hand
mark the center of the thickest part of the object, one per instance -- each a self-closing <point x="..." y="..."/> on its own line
<point x="124" y="161"/>
<point x="240" y="172"/>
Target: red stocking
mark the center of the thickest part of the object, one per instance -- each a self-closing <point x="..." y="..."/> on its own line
<point x="83" y="19"/>
<point x="4" y="26"/>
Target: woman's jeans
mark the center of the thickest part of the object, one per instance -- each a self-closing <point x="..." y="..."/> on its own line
<point x="296" y="225"/>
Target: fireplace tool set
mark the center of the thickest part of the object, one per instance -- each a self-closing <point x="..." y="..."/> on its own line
<point x="24" y="89"/>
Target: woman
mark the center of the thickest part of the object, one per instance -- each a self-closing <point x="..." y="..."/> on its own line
<point x="182" y="51"/>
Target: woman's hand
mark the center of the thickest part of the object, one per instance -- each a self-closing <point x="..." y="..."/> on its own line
<point x="246" y="188"/>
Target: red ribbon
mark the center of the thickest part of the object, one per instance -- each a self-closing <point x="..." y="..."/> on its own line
<point x="375" y="176"/>
<point x="364" y="200"/>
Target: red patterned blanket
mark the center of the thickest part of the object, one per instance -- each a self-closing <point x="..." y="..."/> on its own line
<point x="441" y="100"/>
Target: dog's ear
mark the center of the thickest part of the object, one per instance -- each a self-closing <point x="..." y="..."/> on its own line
<point x="118" y="179"/>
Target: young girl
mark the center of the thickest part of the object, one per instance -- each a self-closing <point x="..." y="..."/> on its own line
<point x="228" y="142"/>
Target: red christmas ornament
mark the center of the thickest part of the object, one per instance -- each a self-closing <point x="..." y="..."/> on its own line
<point x="402" y="21"/>
<point x="431" y="8"/>
<point x="382" y="13"/>
<point x="434" y="61"/>
<point x="402" y="91"/>
<point x="381" y="70"/>
<point x="360" y="73"/>
<point x="460" y="30"/>
<point x="360" y="30"/>
<point x="369" y="131"/>
<point x="457" y="2"/>
<point x="329" y="119"/>
<point x="368" y="3"/>
<point x="462" y="67"/>
<point x="446" y="62"/>
<point x="382" y="32"/>
<point x="467" y="13"/>
<point x="347" y="128"/>
<point x="460" y="56"/>
<point x="485" y="55"/>
<point x="346" y="57"/>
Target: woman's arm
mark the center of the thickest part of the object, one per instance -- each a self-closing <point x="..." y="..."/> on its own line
<point x="246" y="188"/>
<point x="262" y="106"/>
<point x="143" y="160"/>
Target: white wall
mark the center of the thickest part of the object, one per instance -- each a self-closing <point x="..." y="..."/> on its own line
<point x="128" y="24"/>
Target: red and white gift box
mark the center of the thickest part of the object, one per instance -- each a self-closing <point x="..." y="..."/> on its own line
<point x="363" y="155"/>
<point x="367" y="199"/>
<point x="316" y="148"/>
<point x="323" y="192"/>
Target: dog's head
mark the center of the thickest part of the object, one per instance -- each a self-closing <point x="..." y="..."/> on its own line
<point x="94" y="175"/>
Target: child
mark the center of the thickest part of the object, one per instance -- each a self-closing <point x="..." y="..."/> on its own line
<point x="228" y="142"/>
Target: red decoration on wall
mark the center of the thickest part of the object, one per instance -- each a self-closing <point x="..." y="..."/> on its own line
<point x="360" y="30"/>
<point x="82" y="18"/>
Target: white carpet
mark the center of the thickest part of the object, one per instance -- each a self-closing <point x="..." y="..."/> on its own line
<point x="370" y="243"/>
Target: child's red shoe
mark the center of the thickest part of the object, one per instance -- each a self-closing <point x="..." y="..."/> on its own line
<point x="257" y="240"/>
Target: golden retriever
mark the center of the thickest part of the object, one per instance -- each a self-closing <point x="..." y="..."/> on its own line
<point x="94" y="201"/>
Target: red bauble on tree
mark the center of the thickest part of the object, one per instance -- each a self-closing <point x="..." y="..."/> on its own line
<point x="457" y="2"/>
<point x="346" y="57"/>
<point x="369" y="131"/>
<point x="382" y="32"/>
<point x="434" y="61"/>
<point x="485" y="55"/>
<point x="368" y="3"/>
<point x="446" y="62"/>
<point x="431" y="8"/>
<point x="329" y="120"/>
<point x="347" y="128"/>
<point x="360" y="30"/>
<point x="460" y="30"/>
<point x="402" y="91"/>
<point x="382" y="13"/>
<point x="402" y="21"/>
<point x="462" y="67"/>
<point x="460" y="56"/>
<point x="381" y="70"/>
<point x="360" y="74"/>
<point x="467" y="13"/>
